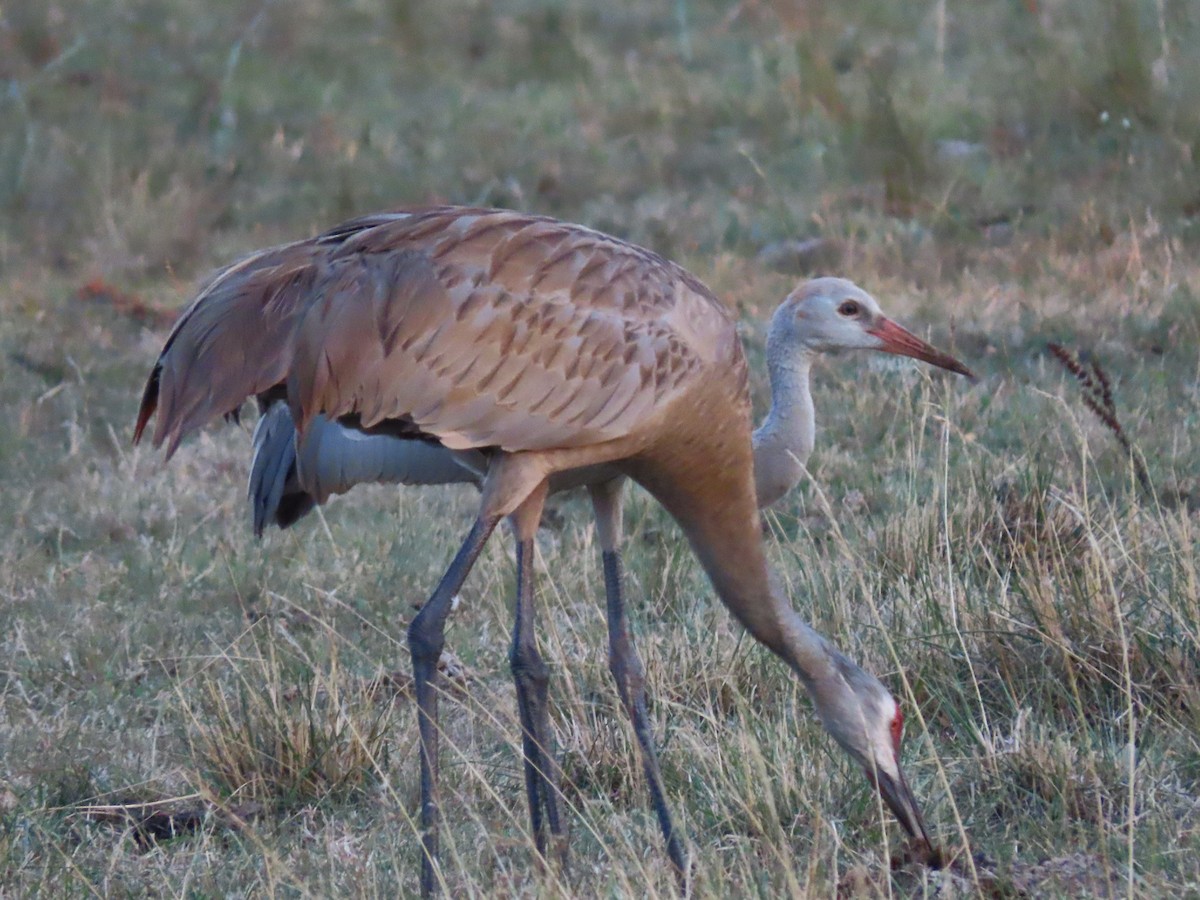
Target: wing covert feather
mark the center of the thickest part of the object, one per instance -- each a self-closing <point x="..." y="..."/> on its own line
<point x="517" y="358"/>
<point x="478" y="327"/>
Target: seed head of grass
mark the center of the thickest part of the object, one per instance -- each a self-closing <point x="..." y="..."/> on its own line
<point x="1098" y="397"/>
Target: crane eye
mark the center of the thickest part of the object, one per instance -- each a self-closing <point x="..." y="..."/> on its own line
<point x="849" y="308"/>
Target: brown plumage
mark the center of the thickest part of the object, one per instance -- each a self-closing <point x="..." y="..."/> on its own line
<point x="561" y="355"/>
<point x="480" y="328"/>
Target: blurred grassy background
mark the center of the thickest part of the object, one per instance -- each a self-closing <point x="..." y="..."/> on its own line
<point x="138" y="134"/>
<point x="999" y="174"/>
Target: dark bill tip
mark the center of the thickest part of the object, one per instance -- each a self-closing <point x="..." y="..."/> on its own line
<point x="900" y="800"/>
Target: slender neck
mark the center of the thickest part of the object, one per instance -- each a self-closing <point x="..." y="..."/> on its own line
<point x="784" y="441"/>
<point x="703" y="477"/>
<point x="729" y="546"/>
<point x="715" y="505"/>
<point x="716" y="508"/>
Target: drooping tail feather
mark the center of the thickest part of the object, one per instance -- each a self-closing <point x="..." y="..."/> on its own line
<point x="274" y="489"/>
<point x="148" y="406"/>
<point x="234" y="341"/>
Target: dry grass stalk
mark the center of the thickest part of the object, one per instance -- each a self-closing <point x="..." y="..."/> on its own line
<point x="1097" y="396"/>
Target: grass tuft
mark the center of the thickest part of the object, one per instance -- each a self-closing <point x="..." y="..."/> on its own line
<point x="266" y="727"/>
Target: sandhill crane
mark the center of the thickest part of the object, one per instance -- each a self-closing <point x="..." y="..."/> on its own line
<point x="559" y="356"/>
<point x="824" y="315"/>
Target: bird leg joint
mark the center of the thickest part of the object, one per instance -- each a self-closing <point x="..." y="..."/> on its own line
<point x="426" y="638"/>
<point x="627" y="671"/>
<point x="526" y="664"/>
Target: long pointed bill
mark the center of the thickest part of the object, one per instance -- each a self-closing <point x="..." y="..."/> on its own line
<point x="899" y="340"/>
<point x="896" y="794"/>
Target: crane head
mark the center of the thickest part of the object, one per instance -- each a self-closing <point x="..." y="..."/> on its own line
<point x="865" y="719"/>
<point x="828" y="315"/>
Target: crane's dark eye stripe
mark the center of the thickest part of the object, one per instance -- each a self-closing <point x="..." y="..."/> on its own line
<point x="849" y="308"/>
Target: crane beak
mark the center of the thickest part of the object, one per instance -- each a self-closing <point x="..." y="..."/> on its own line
<point x="899" y="340"/>
<point x="899" y="797"/>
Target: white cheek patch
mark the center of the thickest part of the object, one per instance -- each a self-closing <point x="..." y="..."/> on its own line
<point x="885" y="748"/>
<point x="885" y="758"/>
<point x="889" y="707"/>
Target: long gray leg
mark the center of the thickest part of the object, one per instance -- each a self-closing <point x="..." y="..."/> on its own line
<point x="627" y="668"/>
<point x="542" y="773"/>
<point x="426" y="638"/>
<point x="532" y="678"/>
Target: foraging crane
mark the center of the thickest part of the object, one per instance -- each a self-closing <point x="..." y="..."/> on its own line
<point x="559" y="356"/>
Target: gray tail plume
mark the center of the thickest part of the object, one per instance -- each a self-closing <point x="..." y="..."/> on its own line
<point x="287" y="481"/>
<point x="274" y="490"/>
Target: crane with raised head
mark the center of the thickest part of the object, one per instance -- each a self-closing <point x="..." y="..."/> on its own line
<point x="539" y="355"/>
<point x="823" y="316"/>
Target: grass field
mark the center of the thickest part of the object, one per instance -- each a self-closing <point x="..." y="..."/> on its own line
<point x="1001" y="176"/>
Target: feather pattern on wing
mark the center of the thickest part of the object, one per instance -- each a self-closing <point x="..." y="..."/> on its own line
<point x="477" y="328"/>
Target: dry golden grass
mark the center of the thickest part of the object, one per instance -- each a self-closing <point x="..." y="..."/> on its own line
<point x="186" y="711"/>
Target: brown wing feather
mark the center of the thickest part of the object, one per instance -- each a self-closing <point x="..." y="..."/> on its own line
<point x="478" y="327"/>
<point x="231" y="343"/>
<point x="497" y="330"/>
<point x="234" y="339"/>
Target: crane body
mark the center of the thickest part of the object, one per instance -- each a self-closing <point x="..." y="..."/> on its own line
<point x="527" y="355"/>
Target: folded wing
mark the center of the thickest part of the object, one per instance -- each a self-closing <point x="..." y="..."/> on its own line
<point x="470" y="328"/>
